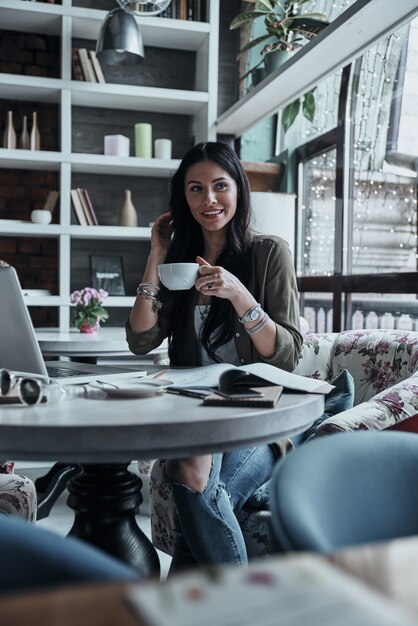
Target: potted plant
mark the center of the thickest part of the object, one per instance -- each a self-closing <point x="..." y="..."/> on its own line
<point x="286" y="31"/>
<point x="89" y="309"/>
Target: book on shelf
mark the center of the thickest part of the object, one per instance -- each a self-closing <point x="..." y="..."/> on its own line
<point x="192" y="10"/>
<point x="219" y="375"/>
<point x="76" y="65"/>
<point x="91" y="212"/>
<point x="78" y="208"/>
<point x="87" y="207"/>
<point x="96" y="67"/>
<point x="51" y="201"/>
<point x="183" y="10"/>
<point x="86" y="65"/>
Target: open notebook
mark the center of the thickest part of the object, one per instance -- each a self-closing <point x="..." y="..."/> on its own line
<point x="19" y="348"/>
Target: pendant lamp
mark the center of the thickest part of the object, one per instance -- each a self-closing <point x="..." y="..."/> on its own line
<point x="120" y="39"/>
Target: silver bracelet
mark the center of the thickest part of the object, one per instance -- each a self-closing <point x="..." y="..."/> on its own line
<point x="151" y="297"/>
<point x="152" y="285"/>
<point x="258" y="326"/>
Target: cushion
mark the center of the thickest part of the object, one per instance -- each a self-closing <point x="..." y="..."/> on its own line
<point x="410" y="425"/>
<point x="339" y="399"/>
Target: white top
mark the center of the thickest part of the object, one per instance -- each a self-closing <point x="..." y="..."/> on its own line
<point x="227" y="353"/>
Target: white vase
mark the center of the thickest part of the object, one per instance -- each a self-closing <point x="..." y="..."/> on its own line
<point x="41" y="216"/>
<point x="35" y="138"/>
<point x="9" y="137"/>
<point x="127" y="214"/>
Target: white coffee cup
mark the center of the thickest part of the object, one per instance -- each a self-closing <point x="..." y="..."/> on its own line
<point x="162" y="148"/>
<point x="41" y="216"/>
<point x="177" y="276"/>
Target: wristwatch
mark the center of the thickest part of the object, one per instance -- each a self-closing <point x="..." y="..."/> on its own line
<point x="252" y="315"/>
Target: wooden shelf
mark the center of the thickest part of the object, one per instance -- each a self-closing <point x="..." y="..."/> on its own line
<point x="263" y="176"/>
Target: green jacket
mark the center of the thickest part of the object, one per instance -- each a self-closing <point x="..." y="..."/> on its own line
<point x="272" y="283"/>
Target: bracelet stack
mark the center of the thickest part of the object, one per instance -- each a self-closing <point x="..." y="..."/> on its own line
<point x="258" y="326"/>
<point x="149" y="291"/>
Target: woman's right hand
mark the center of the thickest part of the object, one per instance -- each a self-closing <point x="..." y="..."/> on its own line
<point x="161" y="234"/>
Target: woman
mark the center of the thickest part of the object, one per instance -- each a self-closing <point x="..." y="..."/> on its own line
<point x="242" y="309"/>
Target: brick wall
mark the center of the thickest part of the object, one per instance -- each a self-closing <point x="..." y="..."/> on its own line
<point x="21" y="191"/>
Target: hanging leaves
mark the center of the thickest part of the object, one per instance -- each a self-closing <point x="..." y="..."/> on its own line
<point x="289" y="114"/>
<point x="291" y="111"/>
<point x="308" y="105"/>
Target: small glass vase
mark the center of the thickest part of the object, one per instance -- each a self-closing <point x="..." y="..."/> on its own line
<point x="87" y="328"/>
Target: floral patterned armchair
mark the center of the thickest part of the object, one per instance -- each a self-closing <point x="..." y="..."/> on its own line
<point x="384" y="366"/>
<point x="17" y="493"/>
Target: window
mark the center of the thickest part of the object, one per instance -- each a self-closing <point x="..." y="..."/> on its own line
<point x="357" y="192"/>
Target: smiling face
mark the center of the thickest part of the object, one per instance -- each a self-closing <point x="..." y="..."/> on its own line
<point x="211" y="194"/>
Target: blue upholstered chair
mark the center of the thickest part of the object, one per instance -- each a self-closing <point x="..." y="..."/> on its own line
<point x="33" y="558"/>
<point x="344" y="490"/>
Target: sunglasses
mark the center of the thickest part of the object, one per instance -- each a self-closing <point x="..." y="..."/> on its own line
<point x="21" y="387"/>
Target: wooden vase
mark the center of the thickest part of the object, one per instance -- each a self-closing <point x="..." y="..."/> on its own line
<point x="127" y="214"/>
<point x="24" y="141"/>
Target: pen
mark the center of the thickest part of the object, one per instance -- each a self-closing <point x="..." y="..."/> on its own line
<point x="159" y="374"/>
<point x="191" y="393"/>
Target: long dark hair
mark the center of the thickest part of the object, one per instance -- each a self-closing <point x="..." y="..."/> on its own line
<point x="187" y="241"/>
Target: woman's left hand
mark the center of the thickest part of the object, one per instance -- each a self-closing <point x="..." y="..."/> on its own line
<point x="217" y="281"/>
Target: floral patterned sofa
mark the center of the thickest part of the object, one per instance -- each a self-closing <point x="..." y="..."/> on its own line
<point x="17" y="493"/>
<point x="384" y="366"/>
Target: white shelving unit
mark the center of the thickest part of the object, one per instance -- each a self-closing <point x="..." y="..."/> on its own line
<point x="68" y="22"/>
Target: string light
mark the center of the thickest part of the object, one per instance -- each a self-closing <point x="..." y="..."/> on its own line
<point x="384" y="204"/>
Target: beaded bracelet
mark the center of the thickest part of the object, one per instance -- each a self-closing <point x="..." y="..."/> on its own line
<point x="151" y="297"/>
<point x="258" y="326"/>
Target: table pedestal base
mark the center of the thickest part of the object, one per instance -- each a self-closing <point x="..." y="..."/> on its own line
<point x="105" y="498"/>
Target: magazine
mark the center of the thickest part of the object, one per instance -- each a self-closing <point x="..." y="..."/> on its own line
<point x="253" y="374"/>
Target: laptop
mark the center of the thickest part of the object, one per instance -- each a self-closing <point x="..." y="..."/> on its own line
<point x="19" y="348"/>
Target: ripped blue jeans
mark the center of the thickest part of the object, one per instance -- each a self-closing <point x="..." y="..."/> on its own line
<point x="209" y="530"/>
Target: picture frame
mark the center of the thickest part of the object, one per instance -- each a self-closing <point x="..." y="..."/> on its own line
<point x="107" y="273"/>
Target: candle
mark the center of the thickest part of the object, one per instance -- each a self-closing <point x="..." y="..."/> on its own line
<point x="116" y="145"/>
<point x="162" y="148"/>
<point x="143" y="140"/>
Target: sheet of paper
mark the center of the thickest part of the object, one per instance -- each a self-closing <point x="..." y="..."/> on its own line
<point x="286" y="592"/>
